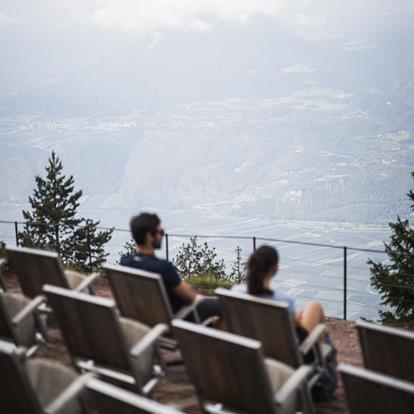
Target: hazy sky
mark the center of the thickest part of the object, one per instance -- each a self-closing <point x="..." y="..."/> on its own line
<point x="100" y="52"/>
<point x="316" y="19"/>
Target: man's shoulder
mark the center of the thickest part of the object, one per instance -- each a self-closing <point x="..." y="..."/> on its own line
<point x="151" y="262"/>
<point x="128" y="260"/>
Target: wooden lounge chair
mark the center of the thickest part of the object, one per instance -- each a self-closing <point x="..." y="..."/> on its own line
<point x="229" y="372"/>
<point x="369" y="392"/>
<point x="108" y="399"/>
<point x="35" y="268"/>
<point x="37" y="386"/>
<point x="387" y="350"/>
<point x="141" y="296"/>
<point x="20" y="322"/>
<point x="101" y="342"/>
<point x="272" y="324"/>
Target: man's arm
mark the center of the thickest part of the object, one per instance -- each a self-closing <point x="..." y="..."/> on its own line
<point x="186" y="292"/>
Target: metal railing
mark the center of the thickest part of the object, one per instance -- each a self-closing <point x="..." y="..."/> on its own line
<point x="254" y="240"/>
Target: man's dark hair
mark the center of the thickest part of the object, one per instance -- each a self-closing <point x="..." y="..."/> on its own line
<point x="142" y="224"/>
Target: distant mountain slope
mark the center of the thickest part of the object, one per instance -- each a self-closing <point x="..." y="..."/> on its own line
<point x="314" y="154"/>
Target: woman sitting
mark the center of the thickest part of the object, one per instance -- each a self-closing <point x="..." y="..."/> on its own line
<point x="262" y="266"/>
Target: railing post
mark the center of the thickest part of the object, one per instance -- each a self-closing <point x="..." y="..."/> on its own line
<point x="345" y="280"/>
<point x="167" y="253"/>
<point x="254" y="243"/>
<point x="16" y="232"/>
<point x="88" y="237"/>
<point x="57" y="239"/>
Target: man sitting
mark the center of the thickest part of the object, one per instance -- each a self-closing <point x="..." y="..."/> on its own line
<point x="148" y="234"/>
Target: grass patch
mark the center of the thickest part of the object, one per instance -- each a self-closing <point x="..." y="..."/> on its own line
<point x="207" y="284"/>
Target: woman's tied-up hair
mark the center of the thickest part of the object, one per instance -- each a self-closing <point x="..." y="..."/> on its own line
<point x="258" y="266"/>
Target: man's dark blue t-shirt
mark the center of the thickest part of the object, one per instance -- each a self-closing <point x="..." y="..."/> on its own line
<point x="166" y="269"/>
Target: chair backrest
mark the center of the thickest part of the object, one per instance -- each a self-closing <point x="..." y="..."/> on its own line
<point x="387" y="350"/>
<point x="6" y="329"/>
<point x="35" y="268"/>
<point x="268" y="321"/>
<point x="370" y="392"/>
<point x="16" y="393"/>
<point x="109" y="399"/>
<point x="89" y="326"/>
<point x="139" y="295"/>
<point x="225" y="368"/>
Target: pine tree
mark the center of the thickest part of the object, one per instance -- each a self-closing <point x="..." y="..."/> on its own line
<point x="87" y="246"/>
<point x="238" y="269"/>
<point x="54" y="205"/>
<point x="195" y="260"/>
<point x="395" y="281"/>
<point x="53" y="223"/>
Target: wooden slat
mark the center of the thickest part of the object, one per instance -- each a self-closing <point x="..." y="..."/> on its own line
<point x="139" y="295"/>
<point x="16" y="393"/>
<point x="35" y="268"/>
<point x="6" y="329"/>
<point x="369" y="392"/>
<point x="89" y="326"/>
<point x="225" y="368"/>
<point x="108" y="399"/>
<point x="387" y="350"/>
<point x="269" y="322"/>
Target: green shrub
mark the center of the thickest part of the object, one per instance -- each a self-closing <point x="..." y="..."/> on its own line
<point x="198" y="259"/>
<point x="129" y="247"/>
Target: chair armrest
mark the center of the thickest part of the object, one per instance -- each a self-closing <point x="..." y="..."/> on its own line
<point x="210" y="321"/>
<point x="68" y="394"/>
<point x="88" y="280"/>
<point x="28" y="309"/>
<point x="294" y="382"/>
<point x="312" y="339"/>
<point x="148" y="339"/>
<point x="186" y="310"/>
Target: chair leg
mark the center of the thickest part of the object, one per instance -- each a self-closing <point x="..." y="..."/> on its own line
<point x="306" y="399"/>
<point x="51" y="321"/>
<point x="159" y="358"/>
<point x="41" y="327"/>
<point x="2" y="284"/>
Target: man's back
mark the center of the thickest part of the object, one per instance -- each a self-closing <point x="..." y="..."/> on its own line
<point x="166" y="269"/>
